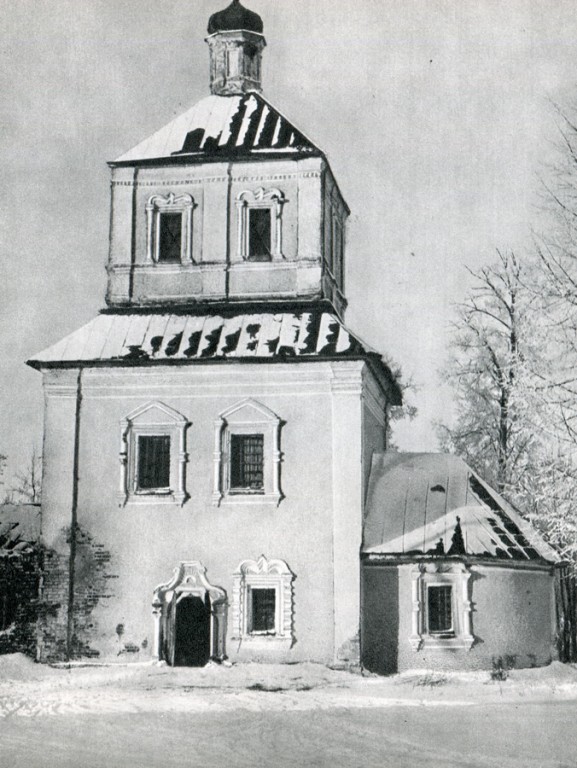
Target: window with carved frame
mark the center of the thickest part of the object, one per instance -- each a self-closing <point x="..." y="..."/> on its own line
<point x="442" y="608"/>
<point x="260" y="224"/>
<point x="153" y="455"/>
<point x="262" y="601"/>
<point x="247" y="457"/>
<point x="169" y="229"/>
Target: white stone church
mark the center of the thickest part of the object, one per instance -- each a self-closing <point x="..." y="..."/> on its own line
<point x="216" y="480"/>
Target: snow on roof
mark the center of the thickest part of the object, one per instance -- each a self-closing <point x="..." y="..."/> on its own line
<point x="142" y="337"/>
<point x="224" y="126"/>
<point x="433" y="503"/>
<point x="135" y="338"/>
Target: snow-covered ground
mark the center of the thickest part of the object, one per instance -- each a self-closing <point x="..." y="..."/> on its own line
<point x="299" y="715"/>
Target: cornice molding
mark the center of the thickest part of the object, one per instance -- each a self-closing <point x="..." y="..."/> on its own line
<point x="218" y="179"/>
<point x="168" y="182"/>
<point x="347" y="380"/>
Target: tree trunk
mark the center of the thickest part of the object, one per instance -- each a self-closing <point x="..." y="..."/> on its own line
<point x="566" y="605"/>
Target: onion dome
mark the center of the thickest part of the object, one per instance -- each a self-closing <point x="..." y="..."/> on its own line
<point x="236" y="16"/>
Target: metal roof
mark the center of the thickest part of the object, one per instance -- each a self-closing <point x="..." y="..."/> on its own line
<point x="224" y="126"/>
<point x="19" y="528"/>
<point x="199" y="337"/>
<point x="139" y="338"/>
<point x="434" y="504"/>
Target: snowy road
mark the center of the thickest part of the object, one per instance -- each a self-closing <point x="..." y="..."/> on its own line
<point x="299" y="715"/>
<point x="502" y="736"/>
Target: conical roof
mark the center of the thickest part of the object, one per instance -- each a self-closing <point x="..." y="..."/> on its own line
<point x="235" y="16"/>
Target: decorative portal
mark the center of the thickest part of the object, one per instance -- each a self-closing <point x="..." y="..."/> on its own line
<point x="189" y="618"/>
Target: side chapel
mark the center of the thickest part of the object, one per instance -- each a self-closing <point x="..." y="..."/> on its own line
<point x="216" y="480"/>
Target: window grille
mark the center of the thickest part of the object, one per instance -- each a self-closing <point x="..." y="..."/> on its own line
<point x="170" y="236"/>
<point x="247" y="462"/>
<point x="153" y="462"/>
<point x="440" y="613"/>
<point x="263" y="610"/>
<point x="259" y="234"/>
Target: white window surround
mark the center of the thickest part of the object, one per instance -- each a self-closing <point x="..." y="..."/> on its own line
<point x="156" y="205"/>
<point x="263" y="574"/>
<point x="245" y="418"/>
<point x="154" y="418"/>
<point x="455" y="575"/>
<point x="260" y="198"/>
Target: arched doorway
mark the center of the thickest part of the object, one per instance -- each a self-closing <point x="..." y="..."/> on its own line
<point x="190" y="618"/>
<point x="192" y="632"/>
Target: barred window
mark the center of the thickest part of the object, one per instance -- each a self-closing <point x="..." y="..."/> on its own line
<point x="263" y="610"/>
<point x="439" y="609"/>
<point x="259" y="234"/>
<point x="153" y="469"/>
<point x="170" y="237"/>
<point x="247" y="462"/>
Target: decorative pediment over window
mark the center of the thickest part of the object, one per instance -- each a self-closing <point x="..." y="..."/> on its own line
<point x="260" y="196"/>
<point x="247" y="455"/>
<point x="154" y="413"/>
<point x="264" y="566"/>
<point x="153" y="455"/>
<point x="249" y="411"/>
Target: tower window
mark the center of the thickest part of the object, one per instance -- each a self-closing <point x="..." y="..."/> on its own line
<point x="170" y="237"/>
<point x="260" y="224"/>
<point x="263" y="611"/>
<point x="259" y="234"/>
<point x="153" y="462"/>
<point x="169" y="229"/>
<point x="247" y="462"/>
<point x="439" y="609"/>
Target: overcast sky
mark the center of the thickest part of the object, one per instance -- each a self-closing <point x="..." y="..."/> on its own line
<point x="434" y="115"/>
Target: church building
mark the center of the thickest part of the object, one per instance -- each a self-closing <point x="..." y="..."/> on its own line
<point x="216" y="476"/>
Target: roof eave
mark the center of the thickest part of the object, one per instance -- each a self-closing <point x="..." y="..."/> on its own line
<point x="400" y="558"/>
<point x="226" y="309"/>
<point x="198" y="158"/>
<point x="38" y="364"/>
<point x="385" y="377"/>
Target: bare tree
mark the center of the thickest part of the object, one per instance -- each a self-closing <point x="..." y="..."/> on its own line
<point x="6" y="499"/>
<point x="556" y="278"/>
<point x="491" y="372"/>
<point x="27" y="485"/>
<point x="514" y="373"/>
<point x="513" y="420"/>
